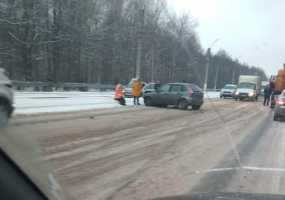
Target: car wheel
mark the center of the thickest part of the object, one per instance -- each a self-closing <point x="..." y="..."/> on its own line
<point x="183" y="105"/>
<point x="148" y="101"/>
<point x="196" y="107"/>
<point x="4" y="115"/>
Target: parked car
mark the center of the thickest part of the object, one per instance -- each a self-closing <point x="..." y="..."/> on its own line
<point x="228" y="91"/>
<point x="6" y="98"/>
<point x="128" y="92"/>
<point x="279" y="111"/>
<point x="151" y="87"/>
<point x="181" y="95"/>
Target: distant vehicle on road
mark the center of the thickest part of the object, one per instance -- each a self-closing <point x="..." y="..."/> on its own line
<point x="248" y="88"/>
<point x="151" y="87"/>
<point x="279" y="112"/>
<point x="181" y="95"/>
<point x="6" y="98"/>
<point x="228" y="91"/>
<point x="128" y="92"/>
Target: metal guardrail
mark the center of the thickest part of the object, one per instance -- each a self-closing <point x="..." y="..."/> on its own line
<point x="213" y="90"/>
<point x="49" y="86"/>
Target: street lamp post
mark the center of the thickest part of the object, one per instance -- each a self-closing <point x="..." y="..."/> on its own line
<point x="139" y="41"/>
<point x="235" y="72"/>
<point x="216" y="77"/>
<point x="208" y="60"/>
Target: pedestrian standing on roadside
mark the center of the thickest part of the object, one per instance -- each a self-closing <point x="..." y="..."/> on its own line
<point x="267" y="95"/>
<point x="272" y="85"/>
<point x="119" y="94"/>
<point x="137" y="91"/>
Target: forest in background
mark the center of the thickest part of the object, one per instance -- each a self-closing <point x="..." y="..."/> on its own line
<point x="100" y="41"/>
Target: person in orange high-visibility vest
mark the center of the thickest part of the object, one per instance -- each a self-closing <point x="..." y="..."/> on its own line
<point x="137" y="90"/>
<point x="119" y="94"/>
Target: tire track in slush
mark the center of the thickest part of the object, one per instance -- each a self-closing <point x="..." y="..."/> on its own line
<point x="23" y="119"/>
<point x="178" y="136"/>
<point x="114" y="140"/>
<point x="151" y="122"/>
<point x="155" y="154"/>
<point x="216" y="182"/>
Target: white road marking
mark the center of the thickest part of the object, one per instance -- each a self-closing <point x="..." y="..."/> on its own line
<point x="265" y="169"/>
<point x="249" y="168"/>
<point x="217" y="170"/>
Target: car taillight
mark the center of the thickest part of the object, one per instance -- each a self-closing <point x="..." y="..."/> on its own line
<point x="190" y="92"/>
<point x="280" y="102"/>
<point x="8" y="85"/>
<point x="273" y="101"/>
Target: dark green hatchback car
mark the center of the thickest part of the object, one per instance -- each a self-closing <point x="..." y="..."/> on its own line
<point x="181" y="95"/>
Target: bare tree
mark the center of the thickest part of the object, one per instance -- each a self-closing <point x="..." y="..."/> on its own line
<point x="105" y="40"/>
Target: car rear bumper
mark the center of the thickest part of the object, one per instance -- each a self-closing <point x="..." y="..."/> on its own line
<point x="244" y="96"/>
<point x="280" y="111"/>
<point x="196" y="102"/>
<point x="128" y="94"/>
<point x="226" y="95"/>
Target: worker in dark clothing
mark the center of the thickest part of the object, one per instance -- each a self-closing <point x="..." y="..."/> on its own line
<point x="272" y="92"/>
<point x="272" y="86"/>
<point x="267" y="95"/>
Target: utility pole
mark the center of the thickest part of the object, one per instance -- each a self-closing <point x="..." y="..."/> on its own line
<point x="139" y="41"/>
<point x="208" y="58"/>
<point x="152" y="64"/>
<point x="233" y="77"/>
<point x="216" y="77"/>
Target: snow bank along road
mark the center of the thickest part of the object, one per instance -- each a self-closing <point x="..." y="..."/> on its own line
<point x="145" y="153"/>
<point x="43" y="102"/>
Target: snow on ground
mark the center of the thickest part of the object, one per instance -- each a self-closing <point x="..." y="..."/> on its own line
<point x="212" y="95"/>
<point x="45" y="102"/>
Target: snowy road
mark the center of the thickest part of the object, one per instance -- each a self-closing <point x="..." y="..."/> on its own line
<point x="46" y="102"/>
<point x="144" y="153"/>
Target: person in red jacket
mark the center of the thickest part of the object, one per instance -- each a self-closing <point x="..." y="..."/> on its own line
<point x="119" y="94"/>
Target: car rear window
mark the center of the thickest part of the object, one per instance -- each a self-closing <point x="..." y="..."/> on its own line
<point x="175" y="88"/>
<point x="230" y="87"/>
<point x="165" y="88"/>
<point x="151" y="86"/>
<point x="184" y="88"/>
<point x="195" y="87"/>
<point x="156" y="86"/>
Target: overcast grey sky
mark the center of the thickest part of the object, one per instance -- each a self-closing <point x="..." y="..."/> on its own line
<point x="251" y="30"/>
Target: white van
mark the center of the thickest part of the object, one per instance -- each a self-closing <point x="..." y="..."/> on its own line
<point x="248" y="88"/>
